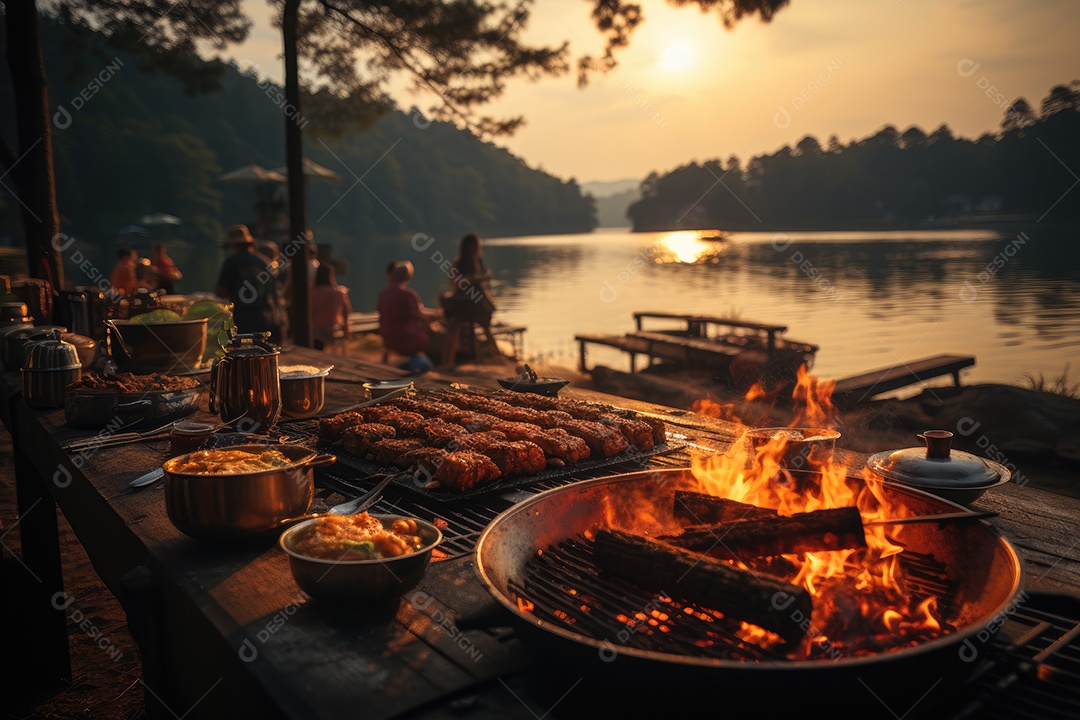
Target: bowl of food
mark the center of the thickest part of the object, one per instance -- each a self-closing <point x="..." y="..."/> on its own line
<point x="303" y="390"/>
<point x="530" y="382"/>
<point x="240" y="493"/>
<point x="798" y="448"/>
<point x="159" y="341"/>
<point x="359" y="559"/>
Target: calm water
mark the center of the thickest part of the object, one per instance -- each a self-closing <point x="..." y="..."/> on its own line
<point x="867" y="300"/>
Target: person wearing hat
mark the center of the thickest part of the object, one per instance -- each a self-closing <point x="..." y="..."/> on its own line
<point x="403" y="319"/>
<point x="249" y="283"/>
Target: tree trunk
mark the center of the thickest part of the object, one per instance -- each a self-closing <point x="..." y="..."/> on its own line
<point x="33" y="173"/>
<point x="296" y="249"/>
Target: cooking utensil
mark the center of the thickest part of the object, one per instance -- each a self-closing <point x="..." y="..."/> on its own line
<point x="16" y="342"/>
<point x="51" y="365"/>
<point x="86" y="347"/>
<point x="359" y="405"/>
<point x="148" y="478"/>
<point x="156" y="347"/>
<point x="97" y="409"/>
<point x="952" y="474"/>
<point x="381" y="388"/>
<point x="245" y="505"/>
<point x="302" y="392"/>
<point x="983" y="578"/>
<point x="245" y="387"/>
<point x="352" y="583"/>
<point x="103" y="441"/>
<point x="804" y="447"/>
<point x="944" y="517"/>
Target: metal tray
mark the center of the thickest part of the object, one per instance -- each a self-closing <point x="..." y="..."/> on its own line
<point x="405" y="480"/>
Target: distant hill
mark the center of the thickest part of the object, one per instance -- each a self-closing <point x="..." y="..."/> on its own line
<point x="613" y="197"/>
<point x="606" y="188"/>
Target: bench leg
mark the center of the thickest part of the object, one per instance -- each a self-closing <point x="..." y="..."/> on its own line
<point x="581" y="356"/>
<point x="633" y="362"/>
<point x="956" y="377"/>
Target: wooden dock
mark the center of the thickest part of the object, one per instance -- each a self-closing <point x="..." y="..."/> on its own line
<point x="706" y="342"/>
<point x="856" y="388"/>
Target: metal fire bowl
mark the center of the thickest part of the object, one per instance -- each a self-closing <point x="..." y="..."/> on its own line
<point x="984" y="565"/>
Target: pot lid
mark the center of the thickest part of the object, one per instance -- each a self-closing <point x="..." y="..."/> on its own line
<point x="936" y="465"/>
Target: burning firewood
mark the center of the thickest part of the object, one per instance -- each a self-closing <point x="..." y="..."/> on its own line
<point x="821" y="530"/>
<point x="700" y="509"/>
<point x="769" y="603"/>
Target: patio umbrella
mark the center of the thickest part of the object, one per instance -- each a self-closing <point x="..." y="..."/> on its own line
<point x="160" y="219"/>
<point x="251" y="174"/>
<point x="312" y="170"/>
<point x="133" y="230"/>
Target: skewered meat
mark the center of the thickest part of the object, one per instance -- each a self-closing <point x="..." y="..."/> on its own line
<point x="425" y="460"/>
<point x="639" y="434"/>
<point x="332" y="429"/>
<point x="556" y="443"/>
<point x="519" y="457"/>
<point x="389" y="450"/>
<point x="463" y="470"/>
<point x="390" y="416"/>
<point x="603" y="440"/>
<point x="581" y="410"/>
<point x="477" y="442"/>
<point x="437" y="433"/>
<point x="359" y="438"/>
<point x="427" y="408"/>
<point x="481" y="404"/>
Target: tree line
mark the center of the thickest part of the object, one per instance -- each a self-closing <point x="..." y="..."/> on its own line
<point x="891" y="178"/>
<point x="128" y="142"/>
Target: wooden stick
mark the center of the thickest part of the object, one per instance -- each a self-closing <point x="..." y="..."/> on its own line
<point x="764" y="601"/>
<point x="821" y="530"/>
<point x="696" y="508"/>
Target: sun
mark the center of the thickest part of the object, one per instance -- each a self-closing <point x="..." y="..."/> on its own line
<point x="677" y="57"/>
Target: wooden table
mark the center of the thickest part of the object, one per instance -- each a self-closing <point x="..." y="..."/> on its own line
<point x="223" y="630"/>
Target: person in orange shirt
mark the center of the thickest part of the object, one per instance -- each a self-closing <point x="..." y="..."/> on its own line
<point x="123" y="278"/>
<point x="330" y="308"/>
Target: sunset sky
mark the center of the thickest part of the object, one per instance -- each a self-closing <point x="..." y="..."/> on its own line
<point x="687" y="89"/>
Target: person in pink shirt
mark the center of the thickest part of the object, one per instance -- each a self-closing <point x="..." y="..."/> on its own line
<point x="330" y="308"/>
<point x="403" y="319"/>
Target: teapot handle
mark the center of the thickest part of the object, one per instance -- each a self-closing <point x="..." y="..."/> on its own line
<point x="215" y="407"/>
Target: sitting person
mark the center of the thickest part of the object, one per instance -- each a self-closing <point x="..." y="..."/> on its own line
<point x="330" y="308"/>
<point x="470" y="301"/>
<point x="403" y="319"/>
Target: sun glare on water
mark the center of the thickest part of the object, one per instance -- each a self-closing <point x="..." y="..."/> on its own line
<point x="677" y="57"/>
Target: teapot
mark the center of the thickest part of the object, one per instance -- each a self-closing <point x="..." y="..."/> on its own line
<point x="244" y="386"/>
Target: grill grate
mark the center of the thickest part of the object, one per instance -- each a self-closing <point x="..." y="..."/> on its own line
<point x="563" y="588"/>
<point x="1031" y="668"/>
<point x="461" y="523"/>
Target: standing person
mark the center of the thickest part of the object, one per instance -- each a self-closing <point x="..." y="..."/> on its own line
<point x="166" y="270"/>
<point x="248" y="282"/>
<point x="330" y="308"/>
<point x="123" y="278"/>
<point x="403" y="319"/>
<point x="470" y="299"/>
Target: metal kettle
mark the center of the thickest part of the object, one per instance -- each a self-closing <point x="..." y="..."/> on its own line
<point x="244" y="386"/>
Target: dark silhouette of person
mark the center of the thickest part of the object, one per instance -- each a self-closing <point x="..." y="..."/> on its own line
<point x="248" y="282"/>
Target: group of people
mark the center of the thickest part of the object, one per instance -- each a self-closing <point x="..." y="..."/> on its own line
<point x="405" y="323"/>
<point x="257" y="282"/>
<point x="132" y="272"/>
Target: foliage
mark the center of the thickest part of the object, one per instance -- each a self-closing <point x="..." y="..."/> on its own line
<point x="888" y="179"/>
<point x="1060" y="385"/>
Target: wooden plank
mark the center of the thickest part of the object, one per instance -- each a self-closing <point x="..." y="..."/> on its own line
<point x="901" y="375"/>
<point x="711" y="319"/>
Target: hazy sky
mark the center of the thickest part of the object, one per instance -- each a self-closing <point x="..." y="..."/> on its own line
<point x="688" y="90"/>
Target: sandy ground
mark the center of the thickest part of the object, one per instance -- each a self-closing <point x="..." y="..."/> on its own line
<point x="101" y="687"/>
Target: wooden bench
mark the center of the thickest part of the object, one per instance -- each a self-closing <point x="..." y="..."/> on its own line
<point x="362" y="323"/>
<point x="856" y="388"/>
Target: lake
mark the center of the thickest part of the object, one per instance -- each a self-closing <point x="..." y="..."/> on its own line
<point x="868" y="300"/>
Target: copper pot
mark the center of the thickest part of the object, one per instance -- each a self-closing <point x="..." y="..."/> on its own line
<point x="246" y="505"/>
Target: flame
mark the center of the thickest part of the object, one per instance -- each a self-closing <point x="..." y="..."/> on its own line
<point x="859" y="589"/>
<point x="813" y="401"/>
<point x="709" y="408"/>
